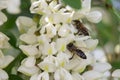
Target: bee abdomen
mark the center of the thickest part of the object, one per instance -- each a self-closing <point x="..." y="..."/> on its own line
<point x="81" y="54"/>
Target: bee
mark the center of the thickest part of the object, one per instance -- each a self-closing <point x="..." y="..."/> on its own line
<point x="73" y="49"/>
<point x="80" y="27"/>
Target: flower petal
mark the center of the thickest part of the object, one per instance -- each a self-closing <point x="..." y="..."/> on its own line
<point x="94" y="16"/>
<point x="34" y="77"/>
<point x="3" y="75"/>
<point x="24" y="23"/>
<point x="29" y="71"/>
<point x="5" y="61"/>
<point x="91" y="43"/>
<point x="102" y="67"/>
<point x="3" y="4"/>
<point x="62" y="74"/>
<point x="29" y="50"/>
<point x="3" y="18"/>
<point x="29" y="61"/>
<point x="43" y="76"/>
<point x="86" y="5"/>
<point x="116" y="73"/>
<point x="63" y="31"/>
<point x="28" y="38"/>
<point x="77" y="76"/>
<point x="92" y="75"/>
<point x="47" y="66"/>
<point x="40" y="7"/>
<point x="13" y="6"/>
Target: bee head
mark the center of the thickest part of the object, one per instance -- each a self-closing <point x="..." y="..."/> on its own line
<point x="70" y="45"/>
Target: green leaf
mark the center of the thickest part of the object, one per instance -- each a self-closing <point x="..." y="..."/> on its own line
<point x="73" y="3"/>
<point x="14" y="77"/>
<point x="115" y="64"/>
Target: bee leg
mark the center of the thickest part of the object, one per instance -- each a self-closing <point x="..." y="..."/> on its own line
<point x="72" y="56"/>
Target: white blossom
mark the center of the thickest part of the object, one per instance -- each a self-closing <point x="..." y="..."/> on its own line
<point x="62" y="74"/>
<point x="4" y="41"/>
<point x="29" y="50"/>
<point x="116" y="73"/>
<point x="40" y="7"/>
<point x="77" y="76"/>
<point x="56" y="31"/>
<point x="28" y="66"/>
<point x="24" y="23"/>
<point x="101" y="67"/>
<point x="63" y="31"/>
<point x="94" y="16"/>
<point x="3" y="18"/>
<point x="48" y="64"/>
<point x="92" y="75"/>
<point x="5" y="60"/>
<point x="12" y="6"/>
<point x="28" y="38"/>
<point x="3" y="75"/>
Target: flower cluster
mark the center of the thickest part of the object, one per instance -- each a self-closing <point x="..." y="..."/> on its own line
<point x="5" y="60"/>
<point x="46" y="43"/>
<point x="12" y="6"/>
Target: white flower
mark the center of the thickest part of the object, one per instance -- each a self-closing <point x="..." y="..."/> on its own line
<point x="3" y="75"/>
<point x="49" y="49"/>
<point x="29" y="50"/>
<point x="3" y="18"/>
<point x="43" y="39"/>
<point x="56" y="18"/>
<point x="62" y="74"/>
<point x="86" y="5"/>
<point x="94" y="16"/>
<point x="64" y="30"/>
<point x="34" y="77"/>
<point x="3" y="4"/>
<point x="92" y="75"/>
<point x="28" y="66"/>
<point x="13" y="6"/>
<point x="91" y="43"/>
<point x="40" y="76"/>
<point x="77" y="76"/>
<point x="52" y="5"/>
<point x="28" y="38"/>
<point x="62" y="59"/>
<point x="82" y="64"/>
<point x="4" y="41"/>
<point x="116" y="73"/>
<point x="99" y="55"/>
<point x="43" y="76"/>
<point x="40" y="7"/>
<point x="5" y="60"/>
<point x="48" y="64"/>
<point x="101" y="67"/>
<point x="51" y="30"/>
<point x="56" y="31"/>
<point x="61" y="44"/>
<point x="24" y="23"/>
